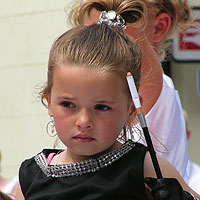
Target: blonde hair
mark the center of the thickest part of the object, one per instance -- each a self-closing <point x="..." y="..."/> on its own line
<point x="99" y="47"/>
<point x="131" y="11"/>
<point x="136" y="11"/>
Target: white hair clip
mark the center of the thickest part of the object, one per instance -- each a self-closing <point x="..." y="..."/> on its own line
<point x="111" y="18"/>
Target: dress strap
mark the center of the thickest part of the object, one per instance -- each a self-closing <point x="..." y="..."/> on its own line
<point x="50" y="157"/>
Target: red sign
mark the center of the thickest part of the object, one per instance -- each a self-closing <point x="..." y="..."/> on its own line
<point x="186" y="46"/>
<point x="190" y="40"/>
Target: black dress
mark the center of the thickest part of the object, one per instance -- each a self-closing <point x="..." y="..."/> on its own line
<point x="117" y="175"/>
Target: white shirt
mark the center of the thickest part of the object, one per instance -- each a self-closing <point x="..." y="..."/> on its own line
<point x="166" y="126"/>
<point x="193" y="170"/>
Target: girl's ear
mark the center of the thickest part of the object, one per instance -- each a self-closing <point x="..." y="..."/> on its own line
<point x="132" y="113"/>
<point x="48" y="100"/>
<point x="162" y="26"/>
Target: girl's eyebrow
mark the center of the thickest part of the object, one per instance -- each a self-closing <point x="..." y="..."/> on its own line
<point x="105" y="102"/>
<point x="65" y="98"/>
<point x="96" y="100"/>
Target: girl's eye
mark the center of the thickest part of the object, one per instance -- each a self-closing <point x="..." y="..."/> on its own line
<point x="102" y="107"/>
<point x="68" y="104"/>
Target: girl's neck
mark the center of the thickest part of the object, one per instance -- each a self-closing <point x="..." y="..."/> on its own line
<point x="67" y="157"/>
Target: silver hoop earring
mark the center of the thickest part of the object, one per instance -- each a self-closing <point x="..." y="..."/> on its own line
<point x="50" y="128"/>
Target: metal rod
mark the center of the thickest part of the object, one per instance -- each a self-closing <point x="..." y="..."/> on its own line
<point x="142" y="120"/>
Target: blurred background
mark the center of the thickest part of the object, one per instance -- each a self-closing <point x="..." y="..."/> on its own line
<point x="27" y="30"/>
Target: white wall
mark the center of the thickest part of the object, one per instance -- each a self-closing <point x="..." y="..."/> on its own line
<point x="28" y="29"/>
<point x="185" y="79"/>
<point x="194" y="2"/>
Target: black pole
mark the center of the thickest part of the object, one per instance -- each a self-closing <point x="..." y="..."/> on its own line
<point x="149" y="144"/>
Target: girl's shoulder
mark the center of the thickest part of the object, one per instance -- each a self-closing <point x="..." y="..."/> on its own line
<point x="30" y="169"/>
<point x="45" y="152"/>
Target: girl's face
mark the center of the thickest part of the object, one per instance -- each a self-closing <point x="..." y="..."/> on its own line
<point x="89" y="109"/>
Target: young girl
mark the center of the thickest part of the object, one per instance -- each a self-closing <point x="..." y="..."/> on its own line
<point x="152" y="23"/>
<point x="89" y="100"/>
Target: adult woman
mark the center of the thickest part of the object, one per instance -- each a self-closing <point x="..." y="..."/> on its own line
<point x="151" y="23"/>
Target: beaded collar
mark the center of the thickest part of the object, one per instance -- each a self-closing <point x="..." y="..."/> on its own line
<point x="80" y="168"/>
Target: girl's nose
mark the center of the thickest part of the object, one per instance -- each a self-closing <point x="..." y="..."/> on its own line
<point x="84" y="120"/>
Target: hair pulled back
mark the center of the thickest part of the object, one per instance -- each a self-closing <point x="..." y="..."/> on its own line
<point x="136" y="11"/>
<point x="131" y="10"/>
<point x="100" y="47"/>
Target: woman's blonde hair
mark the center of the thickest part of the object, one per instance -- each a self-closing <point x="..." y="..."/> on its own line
<point x="132" y="11"/>
<point x="136" y="11"/>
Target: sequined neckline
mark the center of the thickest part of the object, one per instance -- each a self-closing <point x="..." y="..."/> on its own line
<point x="80" y="168"/>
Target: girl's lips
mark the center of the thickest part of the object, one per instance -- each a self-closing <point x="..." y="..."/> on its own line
<point x="83" y="138"/>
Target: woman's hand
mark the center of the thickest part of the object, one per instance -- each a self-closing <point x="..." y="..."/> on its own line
<point x="167" y="189"/>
